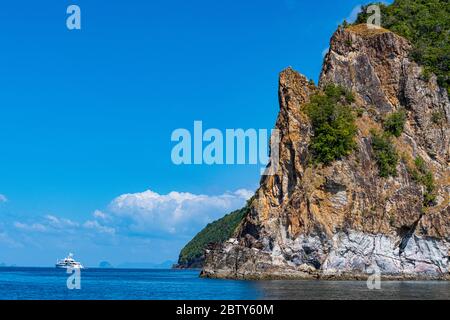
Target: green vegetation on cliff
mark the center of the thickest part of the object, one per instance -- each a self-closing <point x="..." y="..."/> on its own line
<point x="385" y="154"/>
<point x="395" y="122"/>
<point x="215" y="232"/>
<point x="425" y="177"/>
<point x="426" y="24"/>
<point x="333" y="124"/>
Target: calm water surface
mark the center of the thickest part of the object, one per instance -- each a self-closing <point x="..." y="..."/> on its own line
<point x="50" y="283"/>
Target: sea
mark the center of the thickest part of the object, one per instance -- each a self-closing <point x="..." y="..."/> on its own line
<point x="156" y="284"/>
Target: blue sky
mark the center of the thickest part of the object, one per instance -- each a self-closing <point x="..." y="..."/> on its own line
<point x="87" y="115"/>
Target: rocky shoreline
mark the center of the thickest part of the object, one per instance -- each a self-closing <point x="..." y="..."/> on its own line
<point x="348" y="256"/>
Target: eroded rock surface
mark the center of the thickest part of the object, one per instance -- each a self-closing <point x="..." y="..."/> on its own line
<point x="344" y="220"/>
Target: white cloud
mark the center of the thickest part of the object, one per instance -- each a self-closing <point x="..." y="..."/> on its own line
<point x="30" y="227"/>
<point x="96" y="226"/>
<point x="60" y="223"/>
<point x="147" y="214"/>
<point x="3" y="198"/>
<point x="100" y="215"/>
<point x="50" y="223"/>
<point x="177" y="213"/>
<point x="244" y="193"/>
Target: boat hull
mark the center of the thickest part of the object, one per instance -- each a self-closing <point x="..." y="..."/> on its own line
<point x="68" y="267"/>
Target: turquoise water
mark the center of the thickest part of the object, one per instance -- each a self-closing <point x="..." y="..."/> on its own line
<point x="50" y="283"/>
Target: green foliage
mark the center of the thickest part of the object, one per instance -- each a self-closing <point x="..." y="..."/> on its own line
<point x="394" y="123"/>
<point x="429" y="196"/>
<point x="359" y="112"/>
<point x="333" y="124"/>
<point x="420" y="164"/>
<point x="215" y="232"/>
<point x="385" y="154"/>
<point x="426" y="74"/>
<point x="437" y="117"/>
<point x="426" y="24"/>
<point x="425" y="177"/>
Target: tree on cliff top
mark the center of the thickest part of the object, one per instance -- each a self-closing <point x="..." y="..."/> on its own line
<point x="426" y="24"/>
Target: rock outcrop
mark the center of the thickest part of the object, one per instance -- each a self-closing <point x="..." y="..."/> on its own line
<point x="343" y="220"/>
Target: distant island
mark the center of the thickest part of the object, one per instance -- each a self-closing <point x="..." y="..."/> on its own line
<point x="105" y="265"/>
<point x="4" y="265"/>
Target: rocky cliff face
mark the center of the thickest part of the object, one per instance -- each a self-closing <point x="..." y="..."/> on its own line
<point x="344" y="220"/>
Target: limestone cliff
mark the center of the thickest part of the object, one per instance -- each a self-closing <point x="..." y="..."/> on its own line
<point x="343" y="219"/>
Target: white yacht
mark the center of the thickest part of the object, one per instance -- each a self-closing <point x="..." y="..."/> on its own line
<point x="68" y="262"/>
